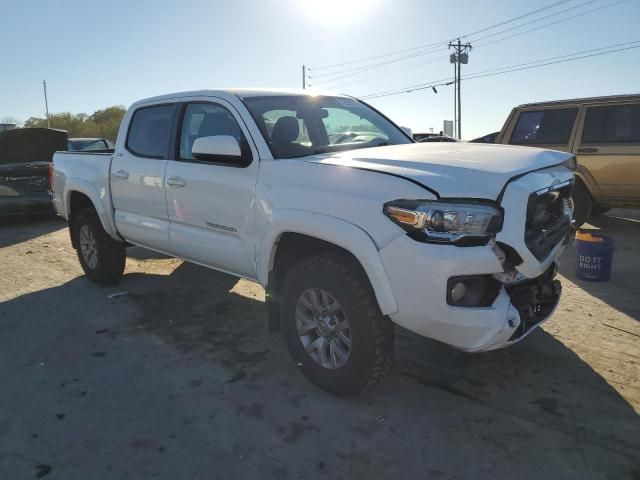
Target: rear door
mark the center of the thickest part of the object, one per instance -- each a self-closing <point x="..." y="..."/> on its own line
<point x="137" y="177"/>
<point x="211" y="204"/>
<point x="609" y="147"/>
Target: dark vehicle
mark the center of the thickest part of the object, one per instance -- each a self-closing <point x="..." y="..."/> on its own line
<point x="489" y="138"/>
<point x="25" y="158"/>
<point x="439" y="138"/>
<point x="89" y="144"/>
<point x="418" y="137"/>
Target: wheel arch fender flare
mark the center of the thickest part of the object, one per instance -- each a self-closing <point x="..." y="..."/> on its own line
<point x="333" y="230"/>
<point x="78" y="185"/>
<point x="583" y="175"/>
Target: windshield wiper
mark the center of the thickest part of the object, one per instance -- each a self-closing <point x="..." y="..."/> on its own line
<point x="348" y="146"/>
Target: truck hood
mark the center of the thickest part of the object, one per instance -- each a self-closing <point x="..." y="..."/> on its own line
<point x="450" y="169"/>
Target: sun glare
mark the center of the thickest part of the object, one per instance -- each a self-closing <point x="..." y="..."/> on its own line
<point x="336" y="12"/>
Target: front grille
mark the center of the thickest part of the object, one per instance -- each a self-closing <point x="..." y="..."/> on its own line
<point x="548" y="222"/>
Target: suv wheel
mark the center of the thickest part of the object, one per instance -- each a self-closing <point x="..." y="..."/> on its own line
<point x="333" y="327"/>
<point x="102" y="258"/>
<point x="599" y="209"/>
<point x="582" y="204"/>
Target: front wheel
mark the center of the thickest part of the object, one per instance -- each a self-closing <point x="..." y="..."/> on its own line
<point x="333" y="327"/>
<point x="102" y="258"/>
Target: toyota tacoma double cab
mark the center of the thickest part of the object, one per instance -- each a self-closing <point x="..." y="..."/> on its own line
<point x="350" y="226"/>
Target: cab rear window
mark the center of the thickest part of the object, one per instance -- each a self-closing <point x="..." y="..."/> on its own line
<point x="149" y="131"/>
<point x="544" y="127"/>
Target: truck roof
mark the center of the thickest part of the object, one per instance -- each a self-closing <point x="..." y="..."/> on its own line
<point x="609" y="98"/>
<point x="237" y="92"/>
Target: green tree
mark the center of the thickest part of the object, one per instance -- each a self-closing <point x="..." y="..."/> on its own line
<point x="102" y="123"/>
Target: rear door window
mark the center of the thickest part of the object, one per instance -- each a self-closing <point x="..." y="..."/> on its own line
<point x="544" y="127"/>
<point x="150" y="131"/>
<point x="614" y="124"/>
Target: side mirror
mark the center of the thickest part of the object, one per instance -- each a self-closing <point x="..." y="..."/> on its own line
<point x="408" y="131"/>
<point x="217" y="149"/>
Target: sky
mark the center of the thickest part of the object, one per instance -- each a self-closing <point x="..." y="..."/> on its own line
<point x="97" y="54"/>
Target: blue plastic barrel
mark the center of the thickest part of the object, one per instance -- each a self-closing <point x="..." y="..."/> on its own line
<point x="594" y="256"/>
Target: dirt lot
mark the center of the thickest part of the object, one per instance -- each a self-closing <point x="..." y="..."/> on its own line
<point x="178" y="379"/>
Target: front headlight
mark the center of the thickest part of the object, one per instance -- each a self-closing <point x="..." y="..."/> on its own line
<point x="462" y="222"/>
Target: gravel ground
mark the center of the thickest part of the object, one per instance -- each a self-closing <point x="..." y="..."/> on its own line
<point x="179" y="379"/>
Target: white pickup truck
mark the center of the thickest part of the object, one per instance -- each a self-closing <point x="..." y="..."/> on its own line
<point x="349" y="225"/>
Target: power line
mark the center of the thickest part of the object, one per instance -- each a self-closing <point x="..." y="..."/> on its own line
<point x="553" y="63"/>
<point x="364" y="68"/>
<point x="375" y="65"/>
<point x="516" y="18"/>
<point x="493" y="41"/>
<point x="436" y="83"/>
<point x="514" y="68"/>
<point x="443" y="42"/>
<point x="431" y="60"/>
<point x="532" y="62"/>
<point x="390" y="54"/>
<point x="332" y="80"/>
<point x="550" y="24"/>
<point x="584" y="4"/>
<point x="412" y="88"/>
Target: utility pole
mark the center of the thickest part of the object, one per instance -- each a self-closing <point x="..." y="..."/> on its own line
<point x="46" y="104"/>
<point x="304" y="77"/>
<point x="460" y="56"/>
<point x="455" y="99"/>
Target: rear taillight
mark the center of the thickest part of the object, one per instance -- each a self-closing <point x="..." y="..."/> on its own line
<point x="51" y="176"/>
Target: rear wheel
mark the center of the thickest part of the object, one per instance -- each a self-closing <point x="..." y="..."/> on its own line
<point x="333" y="327"/>
<point x="102" y="258"/>
<point x="582" y="204"/>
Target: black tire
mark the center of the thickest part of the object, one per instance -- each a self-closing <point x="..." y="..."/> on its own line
<point x="371" y="355"/>
<point x="599" y="209"/>
<point x="110" y="253"/>
<point x="582" y="204"/>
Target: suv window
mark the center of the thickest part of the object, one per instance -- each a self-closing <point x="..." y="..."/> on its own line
<point x="150" y="131"/>
<point x="544" y="127"/>
<point x="619" y="124"/>
<point x="206" y="120"/>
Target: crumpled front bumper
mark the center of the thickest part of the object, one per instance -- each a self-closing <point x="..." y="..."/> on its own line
<point x="419" y="272"/>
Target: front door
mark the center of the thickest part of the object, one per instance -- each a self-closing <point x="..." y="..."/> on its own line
<point x="210" y="204"/>
<point x="609" y="147"/>
<point x="137" y="178"/>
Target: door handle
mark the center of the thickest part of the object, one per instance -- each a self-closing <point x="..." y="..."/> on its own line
<point x="122" y="174"/>
<point x="587" y="150"/>
<point x="176" y="182"/>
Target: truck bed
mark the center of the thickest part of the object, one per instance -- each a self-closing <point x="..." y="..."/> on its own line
<point x="87" y="173"/>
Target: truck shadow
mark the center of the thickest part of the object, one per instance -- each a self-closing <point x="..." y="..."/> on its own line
<point x="623" y="290"/>
<point x="539" y="379"/>
<point x="20" y="229"/>
<point x="214" y="317"/>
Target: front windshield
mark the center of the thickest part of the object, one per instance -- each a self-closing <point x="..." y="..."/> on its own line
<point x="297" y="125"/>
